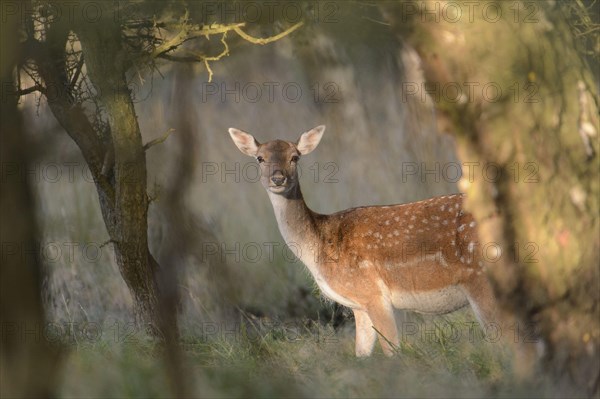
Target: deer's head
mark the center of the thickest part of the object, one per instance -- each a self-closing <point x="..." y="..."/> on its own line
<point x="278" y="159"/>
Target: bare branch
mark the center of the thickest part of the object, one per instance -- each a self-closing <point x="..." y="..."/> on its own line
<point x="215" y="29"/>
<point x="263" y="41"/>
<point x="176" y="41"/>
<point x="77" y="73"/>
<point x="189" y="32"/>
<point x="32" y="89"/>
<point x="189" y="57"/>
<point x="185" y="35"/>
<point x="158" y="140"/>
<point x="224" y="53"/>
<point x="110" y="241"/>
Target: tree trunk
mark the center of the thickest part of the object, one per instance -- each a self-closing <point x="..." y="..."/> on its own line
<point x="126" y="219"/>
<point x="28" y="365"/>
<point x="115" y="156"/>
<point x="526" y="115"/>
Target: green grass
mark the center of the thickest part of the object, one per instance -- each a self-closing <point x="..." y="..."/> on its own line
<point x="307" y="360"/>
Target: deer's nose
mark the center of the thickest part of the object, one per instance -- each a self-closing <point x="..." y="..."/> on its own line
<point x="278" y="178"/>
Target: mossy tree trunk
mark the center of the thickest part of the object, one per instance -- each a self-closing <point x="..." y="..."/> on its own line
<point x="125" y="162"/>
<point x="526" y="113"/>
<point x="114" y="152"/>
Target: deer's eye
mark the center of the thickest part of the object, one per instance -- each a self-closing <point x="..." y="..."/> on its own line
<point x="260" y="159"/>
<point x="295" y="158"/>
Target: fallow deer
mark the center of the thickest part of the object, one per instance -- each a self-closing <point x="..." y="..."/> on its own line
<point x="419" y="256"/>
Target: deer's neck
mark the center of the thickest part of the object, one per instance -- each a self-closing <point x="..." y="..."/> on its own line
<point x="297" y="226"/>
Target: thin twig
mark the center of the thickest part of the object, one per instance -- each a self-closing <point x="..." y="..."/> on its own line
<point x="77" y="73"/>
<point x="224" y="53"/>
<point x="266" y="40"/>
<point x="105" y="243"/>
<point x="29" y="90"/>
<point x="187" y="33"/>
<point x="158" y="140"/>
<point x="394" y="347"/>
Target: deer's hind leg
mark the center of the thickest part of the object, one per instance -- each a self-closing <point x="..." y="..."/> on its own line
<point x="482" y="300"/>
<point x="381" y="314"/>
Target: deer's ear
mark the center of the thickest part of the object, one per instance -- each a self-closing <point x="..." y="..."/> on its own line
<point x="244" y="141"/>
<point x="310" y="140"/>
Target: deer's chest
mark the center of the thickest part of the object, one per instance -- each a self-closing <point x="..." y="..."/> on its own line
<point x="332" y="294"/>
<point x="326" y="285"/>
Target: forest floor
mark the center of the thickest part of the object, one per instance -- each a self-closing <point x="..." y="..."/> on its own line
<point x="438" y="357"/>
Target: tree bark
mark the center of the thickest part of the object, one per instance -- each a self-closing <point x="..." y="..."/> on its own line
<point x="126" y="220"/>
<point x="542" y="207"/>
<point x="28" y="363"/>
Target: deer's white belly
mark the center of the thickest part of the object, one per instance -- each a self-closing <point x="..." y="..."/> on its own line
<point x="440" y="301"/>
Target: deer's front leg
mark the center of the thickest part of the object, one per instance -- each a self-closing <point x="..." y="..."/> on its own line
<point x="365" y="334"/>
<point x="381" y="314"/>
